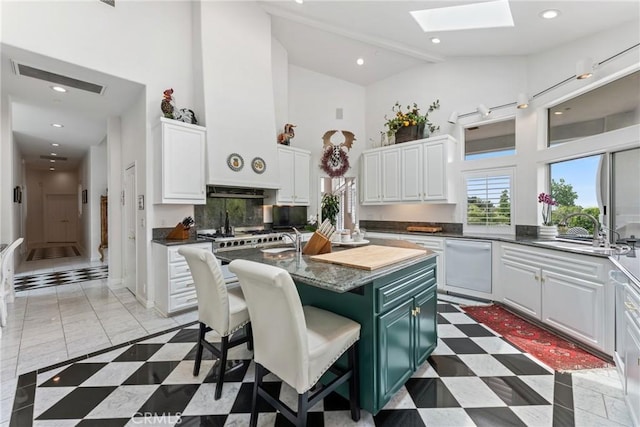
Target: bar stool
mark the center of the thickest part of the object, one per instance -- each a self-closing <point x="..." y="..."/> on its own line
<point x="297" y="343"/>
<point x="220" y="309"/>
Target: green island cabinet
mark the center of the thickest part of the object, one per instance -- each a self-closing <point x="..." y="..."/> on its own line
<point x="398" y="318"/>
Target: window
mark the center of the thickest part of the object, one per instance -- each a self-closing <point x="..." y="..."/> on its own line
<point x="625" y="191"/>
<point x="575" y="185"/>
<point x="490" y="140"/>
<point x="609" y="107"/>
<point x="489" y="205"/>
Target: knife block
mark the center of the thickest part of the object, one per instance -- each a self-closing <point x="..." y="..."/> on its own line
<point x="318" y="244"/>
<point x="178" y="233"/>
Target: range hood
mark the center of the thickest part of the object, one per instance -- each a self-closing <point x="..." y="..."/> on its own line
<point x="234" y="192"/>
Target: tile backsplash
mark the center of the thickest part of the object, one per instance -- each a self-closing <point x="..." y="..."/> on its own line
<point x="242" y="213"/>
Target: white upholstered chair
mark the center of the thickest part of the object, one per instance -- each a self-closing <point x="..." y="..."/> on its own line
<point x="297" y="343"/>
<point x="7" y="291"/>
<point x="221" y="309"/>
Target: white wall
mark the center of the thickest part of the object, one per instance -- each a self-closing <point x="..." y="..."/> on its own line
<point x="97" y="187"/>
<point x="238" y="92"/>
<point x="313" y="100"/>
<point x="497" y="81"/>
<point x="145" y="42"/>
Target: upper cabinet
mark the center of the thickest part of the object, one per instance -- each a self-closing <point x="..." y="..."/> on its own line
<point x="179" y="150"/>
<point x="410" y="172"/>
<point x="293" y="166"/>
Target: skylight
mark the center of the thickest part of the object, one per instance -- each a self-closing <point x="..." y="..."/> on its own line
<point x="492" y="14"/>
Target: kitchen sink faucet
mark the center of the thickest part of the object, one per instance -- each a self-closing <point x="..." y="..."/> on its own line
<point x="598" y="239"/>
<point x="297" y="240"/>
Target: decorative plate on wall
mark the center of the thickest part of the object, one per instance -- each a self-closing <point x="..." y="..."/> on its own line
<point x="235" y="162"/>
<point x="258" y="165"/>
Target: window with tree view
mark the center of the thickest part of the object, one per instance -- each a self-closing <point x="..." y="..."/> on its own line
<point x="575" y="185"/>
<point x="489" y="202"/>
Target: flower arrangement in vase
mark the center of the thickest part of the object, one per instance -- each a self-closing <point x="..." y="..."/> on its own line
<point x="410" y="124"/>
<point x="547" y="229"/>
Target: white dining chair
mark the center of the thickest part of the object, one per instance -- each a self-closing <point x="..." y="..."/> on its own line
<point x="296" y="343"/>
<point x="7" y="291"/>
<point x="219" y="308"/>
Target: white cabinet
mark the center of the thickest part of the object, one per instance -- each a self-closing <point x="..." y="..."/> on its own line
<point x="390" y="160"/>
<point x="179" y="162"/>
<point x="293" y="166"/>
<point x="410" y="172"/>
<point x="370" y="177"/>
<point x="436" y="244"/>
<point x="568" y="292"/>
<point x="631" y="346"/>
<point x="380" y="176"/>
<point x="175" y="290"/>
<point x="434" y="175"/>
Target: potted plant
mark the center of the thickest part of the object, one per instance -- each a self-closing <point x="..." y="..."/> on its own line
<point x="330" y="207"/>
<point x="410" y="124"/>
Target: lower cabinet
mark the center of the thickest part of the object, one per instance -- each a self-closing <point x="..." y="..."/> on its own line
<point x="568" y="292"/>
<point x="631" y="349"/>
<point x="397" y="316"/>
<point x="407" y="335"/>
<point x="175" y="290"/>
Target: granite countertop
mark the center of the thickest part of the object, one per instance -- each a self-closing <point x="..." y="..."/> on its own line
<point x="628" y="263"/>
<point x="333" y="277"/>
<point x="169" y="242"/>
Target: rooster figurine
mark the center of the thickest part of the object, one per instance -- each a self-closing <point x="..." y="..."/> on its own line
<point x="167" y="105"/>
<point x="285" y="137"/>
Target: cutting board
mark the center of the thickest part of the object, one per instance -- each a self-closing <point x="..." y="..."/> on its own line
<point x="369" y="257"/>
<point x="424" y="229"/>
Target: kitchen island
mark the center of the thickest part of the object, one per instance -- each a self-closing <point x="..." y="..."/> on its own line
<point x="395" y="306"/>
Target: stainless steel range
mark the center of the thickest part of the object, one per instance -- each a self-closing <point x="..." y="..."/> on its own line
<point x="242" y="239"/>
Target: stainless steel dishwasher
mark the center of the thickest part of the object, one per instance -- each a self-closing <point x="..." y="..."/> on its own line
<point x="468" y="264"/>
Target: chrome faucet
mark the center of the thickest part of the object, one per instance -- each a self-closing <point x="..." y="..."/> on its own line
<point x="297" y="240"/>
<point x="598" y="239"/>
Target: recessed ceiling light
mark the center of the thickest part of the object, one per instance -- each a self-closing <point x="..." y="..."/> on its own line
<point x="299" y="1"/>
<point x="54" y="154"/>
<point x="491" y="14"/>
<point x="58" y="89"/>
<point x="435" y="40"/>
<point x="57" y="125"/>
<point x="55" y="144"/>
<point x="360" y="61"/>
<point x="52" y="161"/>
<point x="549" y="13"/>
<point x="557" y="113"/>
<point x="52" y="169"/>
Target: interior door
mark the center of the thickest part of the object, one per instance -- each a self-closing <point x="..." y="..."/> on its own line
<point x="130" y="258"/>
<point x="61" y="219"/>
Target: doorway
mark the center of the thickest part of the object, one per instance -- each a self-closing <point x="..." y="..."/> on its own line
<point x="61" y="219"/>
<point x="130" y="254"/>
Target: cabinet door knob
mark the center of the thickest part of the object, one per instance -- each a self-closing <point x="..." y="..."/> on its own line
<point x="413" y="312"/>
<point x="418" y="310"/>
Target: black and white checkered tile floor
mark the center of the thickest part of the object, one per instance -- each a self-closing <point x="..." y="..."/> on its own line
<point x="29" y="282"/>
<point x="474" y="378"/>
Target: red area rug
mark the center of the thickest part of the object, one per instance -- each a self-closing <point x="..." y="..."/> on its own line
<point x="550" y="349"/>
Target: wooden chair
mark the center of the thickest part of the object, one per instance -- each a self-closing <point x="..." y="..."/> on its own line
<point x="220" y="309"/>
<point x="297" y="343"/>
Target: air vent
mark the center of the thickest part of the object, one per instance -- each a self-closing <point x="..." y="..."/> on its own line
<point x="53" y="158"/>
<point x="25" y="70"/>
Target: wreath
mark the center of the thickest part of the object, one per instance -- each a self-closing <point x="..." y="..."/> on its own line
<point x="334" y="161"/>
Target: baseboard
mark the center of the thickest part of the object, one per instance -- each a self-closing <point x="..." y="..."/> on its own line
<point x="144" y="302"/>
